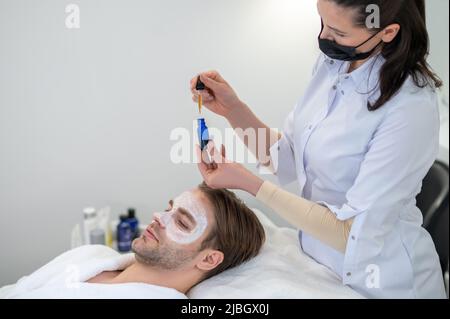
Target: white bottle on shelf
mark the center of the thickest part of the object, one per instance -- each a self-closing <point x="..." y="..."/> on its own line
<point x="76" y="239"/>
<point x="89" y="223"/>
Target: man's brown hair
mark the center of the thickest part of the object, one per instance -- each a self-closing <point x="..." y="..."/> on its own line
<point x="237" y="232"/>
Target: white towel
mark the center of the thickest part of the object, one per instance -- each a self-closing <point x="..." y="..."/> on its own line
<point x="65" y="276"/>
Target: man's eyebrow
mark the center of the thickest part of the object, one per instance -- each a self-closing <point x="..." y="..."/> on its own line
<point x="188" y="215"/>
<point x="170" y="204"/>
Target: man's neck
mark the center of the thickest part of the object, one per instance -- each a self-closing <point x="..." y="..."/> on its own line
<point x="141" y="273"/>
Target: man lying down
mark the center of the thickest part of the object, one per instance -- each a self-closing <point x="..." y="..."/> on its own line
<point x="201" y="234"/>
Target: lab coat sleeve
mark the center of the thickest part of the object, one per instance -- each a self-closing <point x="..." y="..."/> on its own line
<point x="398" y="157"/>
<point x="282" y="154"/>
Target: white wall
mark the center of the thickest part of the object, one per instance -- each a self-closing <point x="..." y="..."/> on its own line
<point x="86" y="115"/>
<point x="438" y="27"/>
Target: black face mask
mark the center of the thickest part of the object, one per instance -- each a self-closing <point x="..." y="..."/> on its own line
<point x="344" y="53"/>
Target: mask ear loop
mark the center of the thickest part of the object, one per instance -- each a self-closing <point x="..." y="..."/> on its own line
<point x="373" y="36"/>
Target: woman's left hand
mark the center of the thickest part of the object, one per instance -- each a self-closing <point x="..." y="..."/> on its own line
<point x="222" y="173"/>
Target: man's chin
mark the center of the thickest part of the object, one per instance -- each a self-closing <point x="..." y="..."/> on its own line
<point x="140" y="244"/>
<point x="142" y="250"/>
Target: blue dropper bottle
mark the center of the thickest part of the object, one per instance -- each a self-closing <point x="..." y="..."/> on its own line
<point x="203" y="134"/>
<point x="202" y="129"/>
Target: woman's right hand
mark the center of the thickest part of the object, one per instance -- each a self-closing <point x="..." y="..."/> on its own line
<point x="218" y="97"/>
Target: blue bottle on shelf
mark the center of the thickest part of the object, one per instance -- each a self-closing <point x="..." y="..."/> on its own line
<point x="124" y="234"/>
<point x="134" y="222"/>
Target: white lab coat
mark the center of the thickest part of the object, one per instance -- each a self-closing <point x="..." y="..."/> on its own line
<point x="367" y="165"/>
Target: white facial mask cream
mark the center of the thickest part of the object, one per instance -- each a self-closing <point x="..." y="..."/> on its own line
<point x="170" y="219"/>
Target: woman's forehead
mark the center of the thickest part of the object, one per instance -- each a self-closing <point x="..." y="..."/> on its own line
<point x="335" y="15"/>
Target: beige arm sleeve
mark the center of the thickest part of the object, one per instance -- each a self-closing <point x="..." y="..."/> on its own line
<point x="311" y="218"/>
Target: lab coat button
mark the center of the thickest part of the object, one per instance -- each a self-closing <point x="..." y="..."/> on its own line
<point x="353" y="237"/>
<point x="331" y="62"/>
<point x="334" y="87"/>
<point x="349" y="274"/>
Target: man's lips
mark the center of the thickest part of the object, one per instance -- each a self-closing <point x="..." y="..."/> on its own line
<point x="150" y="234"/>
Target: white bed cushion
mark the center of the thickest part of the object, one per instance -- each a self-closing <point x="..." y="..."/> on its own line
<point x="281" y="270"/>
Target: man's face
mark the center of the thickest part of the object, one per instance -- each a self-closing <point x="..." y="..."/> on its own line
<point x="174" y="237"/>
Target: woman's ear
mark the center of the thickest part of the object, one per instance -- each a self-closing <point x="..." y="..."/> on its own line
<point x="390" y="32"/>
<point x="210" y="260"/>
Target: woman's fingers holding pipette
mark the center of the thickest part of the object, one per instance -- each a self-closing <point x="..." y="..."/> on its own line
<point x="213" y="75"/>
<point x="206" y="94"/>
<point x="211" y="83"/>
<point x="212" y="80"/>
<point x="218" y="96"/>
<point x="206" y="97"/>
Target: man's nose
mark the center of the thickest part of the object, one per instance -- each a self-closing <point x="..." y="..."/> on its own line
<point x="157" y="218"/>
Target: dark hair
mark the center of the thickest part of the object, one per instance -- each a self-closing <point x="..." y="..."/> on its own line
<point x="238" y="234"/>
<point x="407" y="54"/>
